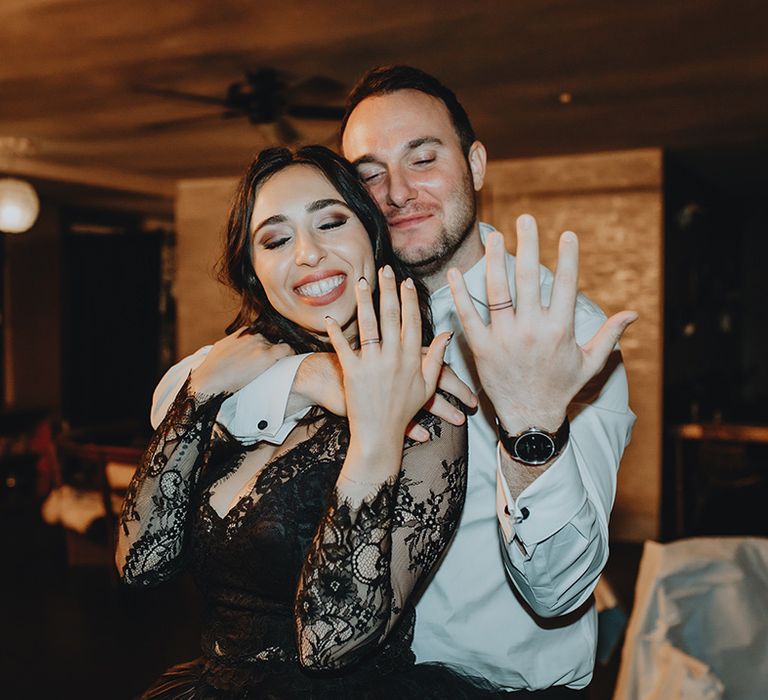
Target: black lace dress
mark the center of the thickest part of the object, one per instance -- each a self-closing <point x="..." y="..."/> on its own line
<point x="305" y="596"/>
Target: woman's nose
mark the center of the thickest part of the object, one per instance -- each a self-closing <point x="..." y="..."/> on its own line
<point x="308" y="251"/>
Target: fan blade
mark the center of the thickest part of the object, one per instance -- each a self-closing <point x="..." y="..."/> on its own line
<point x="285" y="131"/>
<point x="180" y="95"/>
<point x="318" y="112"/>
<point x="157" y="127"/>
<point x="319" y="85"/>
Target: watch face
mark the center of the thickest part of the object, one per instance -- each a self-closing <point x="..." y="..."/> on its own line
<point x="535" y="448"/>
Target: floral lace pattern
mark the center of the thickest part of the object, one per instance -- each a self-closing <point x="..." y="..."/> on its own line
<point x="353" y="569"/>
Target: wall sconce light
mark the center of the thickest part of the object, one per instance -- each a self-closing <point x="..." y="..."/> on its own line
<point x="19" y="205"/>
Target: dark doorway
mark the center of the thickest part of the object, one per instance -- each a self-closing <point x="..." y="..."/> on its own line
<point x="111" y="320"/>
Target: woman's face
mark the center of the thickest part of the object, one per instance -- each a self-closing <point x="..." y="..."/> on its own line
<point x="309" y="249"/>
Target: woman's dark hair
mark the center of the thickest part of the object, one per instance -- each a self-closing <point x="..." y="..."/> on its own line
<point x="384" y="80"/>
<point x="236" y="268"/>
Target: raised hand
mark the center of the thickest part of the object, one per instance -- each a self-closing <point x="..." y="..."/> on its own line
<point x="235" y="361"/>
<point x="527" y="357"/>
<point x="386" y="383"/>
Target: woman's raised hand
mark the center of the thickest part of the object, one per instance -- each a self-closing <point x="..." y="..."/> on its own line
<point x="386" y="383"/>
<point x="236" y="360"/>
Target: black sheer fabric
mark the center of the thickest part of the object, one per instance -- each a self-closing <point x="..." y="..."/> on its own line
<point x="306" y="595"/>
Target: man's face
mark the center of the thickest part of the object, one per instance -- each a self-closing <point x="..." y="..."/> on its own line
<point x="409" y="156"/>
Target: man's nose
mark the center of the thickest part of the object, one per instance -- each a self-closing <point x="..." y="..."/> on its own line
<point x="401" y="190"/>
<point x="307" y="249"/>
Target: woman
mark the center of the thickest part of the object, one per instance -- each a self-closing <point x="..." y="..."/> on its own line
<point x="308" y="553"/>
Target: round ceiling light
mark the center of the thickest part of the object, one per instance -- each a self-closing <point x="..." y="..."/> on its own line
<point x="19" y="205"/>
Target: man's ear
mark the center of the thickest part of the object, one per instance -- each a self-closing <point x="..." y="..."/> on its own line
<point x="477" y="159"/>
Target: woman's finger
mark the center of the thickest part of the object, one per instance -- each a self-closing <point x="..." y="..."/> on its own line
<point x="433" y="362"/>
<point x="345" y="353"/>
<point x="411" y="330"/>
<point x="389" y="307"/>
<point x="368" y="327"/>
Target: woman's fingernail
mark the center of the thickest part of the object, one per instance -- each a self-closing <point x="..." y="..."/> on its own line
<point x="387" y="271"/>
<point x="328" y="319"/>
<point x="409" y="283"/>
<point x="362" y="283"/>
<point x="449" y="339"/>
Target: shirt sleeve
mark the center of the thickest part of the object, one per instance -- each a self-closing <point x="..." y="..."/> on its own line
<point x="253" y="414"/>
<point x="554" y="536"/>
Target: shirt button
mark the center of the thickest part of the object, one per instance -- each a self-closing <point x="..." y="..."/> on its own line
<point x="262" y="424"/>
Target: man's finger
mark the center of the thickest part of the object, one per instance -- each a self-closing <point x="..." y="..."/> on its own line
<point x="497" y="283"/>
<point x="474" y="328"/>
<point x="528" y="292"/>
<point x="562" y="305"/>
<point x="417" y="432"/>
<point x="442" y="408"/>
<point x="451" y="384"/>
<point x="600" y="347"/>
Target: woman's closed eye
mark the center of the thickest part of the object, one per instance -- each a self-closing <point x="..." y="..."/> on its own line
<point x="333" y="223"/>
<point x="275" y="242"/>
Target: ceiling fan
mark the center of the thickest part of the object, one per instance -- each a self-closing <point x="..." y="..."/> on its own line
<point x="266" y="96"/>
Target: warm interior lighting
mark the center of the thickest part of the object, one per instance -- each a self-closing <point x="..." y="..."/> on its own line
<point x="19" y="206"/>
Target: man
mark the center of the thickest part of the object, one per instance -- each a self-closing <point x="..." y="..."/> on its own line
<point x="535" y="355"/>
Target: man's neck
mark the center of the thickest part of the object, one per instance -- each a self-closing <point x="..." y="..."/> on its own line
<point x="465" y="257"/>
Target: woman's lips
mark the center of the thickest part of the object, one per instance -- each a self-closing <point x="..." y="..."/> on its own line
<point x="321" y="290"/>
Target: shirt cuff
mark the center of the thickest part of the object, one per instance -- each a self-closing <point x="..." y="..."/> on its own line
<point x="546" y="505"/>
<point x="257" y="411"/>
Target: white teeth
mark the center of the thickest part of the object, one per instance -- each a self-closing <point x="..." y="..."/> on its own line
<point x="321" y="287"/>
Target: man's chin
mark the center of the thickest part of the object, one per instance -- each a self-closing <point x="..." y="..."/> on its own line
<point x="422" y="262"/>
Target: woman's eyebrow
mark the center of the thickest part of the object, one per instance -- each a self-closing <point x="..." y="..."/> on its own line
<point x="319" y="204"/>
<point x="276" y="219"/>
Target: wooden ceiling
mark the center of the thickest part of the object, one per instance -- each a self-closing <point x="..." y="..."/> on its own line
<point x="653" y="73"/>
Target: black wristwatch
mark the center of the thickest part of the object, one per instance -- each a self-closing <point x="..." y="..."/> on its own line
<point x="534" y="446"/>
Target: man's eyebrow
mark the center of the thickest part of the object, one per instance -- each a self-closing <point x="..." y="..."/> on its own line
<point x="424" y="141"/>
<point x="410" y="146"/>
<point x="323" y="203"/>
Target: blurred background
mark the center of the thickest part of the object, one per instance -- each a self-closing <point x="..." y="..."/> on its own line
<point x="123" y="128"/>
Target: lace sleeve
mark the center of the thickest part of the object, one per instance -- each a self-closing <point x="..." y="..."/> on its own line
<point x="153" y="519"/>
<point x="365" y="562"/>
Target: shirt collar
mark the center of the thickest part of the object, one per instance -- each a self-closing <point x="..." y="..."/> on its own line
<point x="441" y="300"/>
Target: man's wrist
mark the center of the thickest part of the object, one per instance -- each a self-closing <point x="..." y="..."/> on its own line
<point x="517" y="420"/>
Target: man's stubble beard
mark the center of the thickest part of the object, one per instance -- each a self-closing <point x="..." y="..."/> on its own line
<point x="428" y="262"/>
